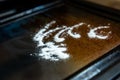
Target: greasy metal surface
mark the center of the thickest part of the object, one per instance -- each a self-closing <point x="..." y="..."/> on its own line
<point x="110" y="3"/>
<point x="82" y="51"/>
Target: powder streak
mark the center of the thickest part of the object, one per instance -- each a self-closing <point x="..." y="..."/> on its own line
<point x="93" y="34"/>
<point x="69" y="31"/>
<point x="50" y="50"/>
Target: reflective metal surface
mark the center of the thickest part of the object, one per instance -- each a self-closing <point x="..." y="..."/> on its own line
<point x="82" y="48"/>
<point x="99" y="68"/>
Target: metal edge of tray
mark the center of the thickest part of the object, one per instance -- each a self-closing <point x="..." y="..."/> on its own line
<point x="97" y="9"/>
<point x="30" y="12"/>
<point x="96" y="67"/>
<point x="112" y="73"/>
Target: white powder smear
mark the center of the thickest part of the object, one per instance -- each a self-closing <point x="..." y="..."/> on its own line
<point x="55" y="49"/>
<point x="93" y="34"/>
<point x="69" y="32"/>
<point x="53" y="52"/>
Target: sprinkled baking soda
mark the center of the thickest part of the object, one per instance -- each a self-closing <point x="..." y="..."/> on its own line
<point x="55" y="49"/>
<point x="93" y="34"/>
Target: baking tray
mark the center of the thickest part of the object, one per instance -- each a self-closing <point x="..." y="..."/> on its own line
<point x="17" y="54"/>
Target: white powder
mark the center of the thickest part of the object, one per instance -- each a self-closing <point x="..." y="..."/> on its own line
<point x="50" y="50"/>
<point x="39" y="37"/>
<point x="75" y="35"/>
<point x="53" y="52"/>
<point x="69" y="32"/>
<point x="93" y="34"/>
<point x="57" y="38"/>
<point x="55" y="49"/>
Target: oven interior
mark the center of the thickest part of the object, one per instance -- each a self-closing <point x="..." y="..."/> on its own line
<point x="61" y="27"/>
